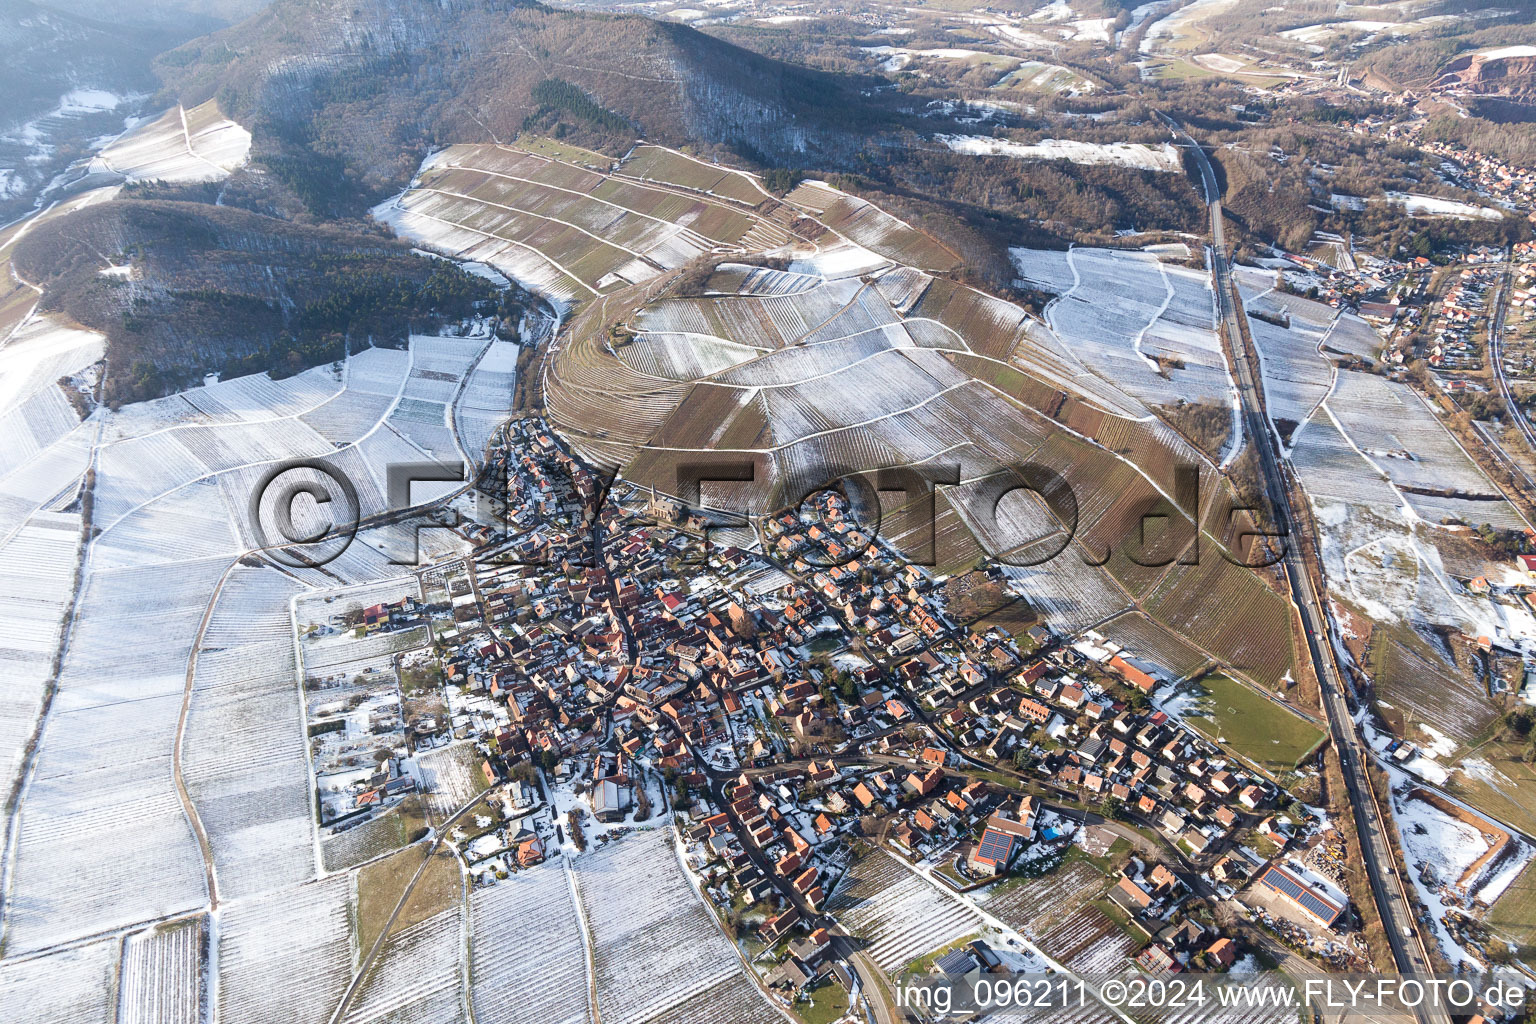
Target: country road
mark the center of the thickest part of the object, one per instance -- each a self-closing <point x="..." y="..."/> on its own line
<point x="1387" y="885"/>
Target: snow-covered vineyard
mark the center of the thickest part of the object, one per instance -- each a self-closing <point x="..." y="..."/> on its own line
<point x="367" y="792"/>
<point x="178" y="694"/>
<point x="529" y="963"/>
<point x="1145" y="325"/>
<point x="901" y="914"/>
<point x="183" y="144"/>
<point x="655" y="946"/>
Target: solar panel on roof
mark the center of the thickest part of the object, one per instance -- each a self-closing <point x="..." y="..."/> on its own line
<point x="1284" y="882"/>
<point x="995" y="846"/>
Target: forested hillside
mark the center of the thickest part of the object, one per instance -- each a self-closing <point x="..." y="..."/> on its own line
<point x="200" y="288"/>
<point x="345" y="98"/>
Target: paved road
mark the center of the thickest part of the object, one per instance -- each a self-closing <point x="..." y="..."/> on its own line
<point x="1387" y="886"/>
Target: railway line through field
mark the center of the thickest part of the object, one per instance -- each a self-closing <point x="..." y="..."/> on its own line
<point x="1388" y="887"/>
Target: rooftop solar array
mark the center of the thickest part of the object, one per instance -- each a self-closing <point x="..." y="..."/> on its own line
<point x="995" y="847"/>
<point x="1287" y="884"/>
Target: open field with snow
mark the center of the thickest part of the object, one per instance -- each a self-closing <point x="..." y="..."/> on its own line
<point x="1162" y="157"/>
<point x="183" y="144"/>
<point x="642" y="911"/>
<point x="901" y="915"/>
<point x="530" y="957"/>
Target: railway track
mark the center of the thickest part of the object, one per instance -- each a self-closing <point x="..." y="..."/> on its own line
<point x="1388" y="888"/>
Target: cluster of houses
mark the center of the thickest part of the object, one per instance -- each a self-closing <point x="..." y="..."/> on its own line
<point x="1508" y="184"/>
<point x="1462" y="311"/>
<point x="807" y="702"/>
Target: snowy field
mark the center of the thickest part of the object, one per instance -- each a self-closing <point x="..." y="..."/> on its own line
<point x="74" y="985"/>
<point x="1162" y="157"/>
<point x="245" y="760"/>
<point x="102" y="779"/>
<point x="417" y="978"/>
<point x="1434" y="206"/>
<point x="901" y="915"/>
<point x="300" y="935"/>
<point x="530" y="960"/>
<point x="1133" y="320"/>
<point x="37" y="568"/>
<point x="655" y="945"/>
<point x="1296" y="376"/>
<point x="196" y="144"/>
<point x="162" y="975"/>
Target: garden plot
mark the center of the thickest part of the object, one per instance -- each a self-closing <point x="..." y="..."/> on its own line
<point x="529" y="961"/>
<point x="654" y="943"/>
<point x="417" y="976"/>
<point x="299" y="935"/>
<point x="162" y="975"/>
<point x="901" y="915"/>
<point x="102" y="779"/>
<point x="1034" y="907"/>
<point x="1149" y="331"/>
<point x="196" y="144"/>
<point x="71" y="986"/>
<point x="244" y="755"/>
<point x="1088" y="942"/>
